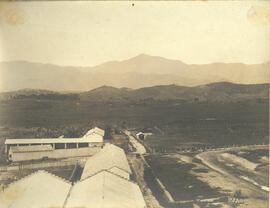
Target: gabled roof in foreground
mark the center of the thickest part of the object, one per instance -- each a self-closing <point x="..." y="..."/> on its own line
<point x="38" y="190"/>
<point x="105" y="190"/>
<point x="107" y="158"/>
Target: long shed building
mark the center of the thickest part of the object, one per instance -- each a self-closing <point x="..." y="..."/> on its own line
<point x="110" y="158"/>
<point x="36" y="148"/>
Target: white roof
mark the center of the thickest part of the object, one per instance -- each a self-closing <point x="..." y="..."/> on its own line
<point x="35" y="148"/>
<point x="105" y="190"/>
<point x="107" y="158"/>
<point x="139" y="133"/>
<point x="38" y="190"/>
<point x="94" y="135"/>
<point x="95" y="130"/>
<point x="89" y="139"/>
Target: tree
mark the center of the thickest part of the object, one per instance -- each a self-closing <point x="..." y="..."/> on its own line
<point x="124" y="125"/>
<point x="108" y="132"/>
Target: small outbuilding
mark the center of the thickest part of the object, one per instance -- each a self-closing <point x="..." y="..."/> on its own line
<point x="142" y="135"/>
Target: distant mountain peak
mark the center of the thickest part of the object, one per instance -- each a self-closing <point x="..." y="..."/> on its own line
<point x="139" y="57"/>
<point x="105" y="87"/>
<point x="140" y="71"/>
<point x="142" y="55"/>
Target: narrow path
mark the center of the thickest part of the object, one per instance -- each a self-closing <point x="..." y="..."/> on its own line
<point x="140" y="149"/>
<point x="137" y="167"/>
<point x="76" y="174"/>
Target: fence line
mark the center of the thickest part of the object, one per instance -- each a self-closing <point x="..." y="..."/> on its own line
<point x="197" y="149"/>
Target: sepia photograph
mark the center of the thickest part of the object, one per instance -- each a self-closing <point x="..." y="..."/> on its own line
<point x="134" y="104"/>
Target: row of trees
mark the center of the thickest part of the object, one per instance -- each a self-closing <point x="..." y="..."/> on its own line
<point x="71" y="131"/>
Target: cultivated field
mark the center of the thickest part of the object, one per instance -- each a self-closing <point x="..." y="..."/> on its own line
<point x="204" y="122"/>
<point x="210" y="179"/>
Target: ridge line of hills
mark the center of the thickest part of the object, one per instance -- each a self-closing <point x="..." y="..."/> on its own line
<point x="213" y="92"/>
<point x="137" y="72"/>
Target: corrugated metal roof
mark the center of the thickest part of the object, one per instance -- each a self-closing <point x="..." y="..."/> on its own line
<point x="106" y="159"/>
<point x="35" y="148"/>
<point x="40" y="189"/>
<point x="105" y="190"/>
<point x="99" y="188"/>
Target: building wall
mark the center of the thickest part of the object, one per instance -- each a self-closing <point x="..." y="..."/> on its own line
<point x="95" y="144"/>
<point x="58" y="153"/>
<point x="94" y="137"/>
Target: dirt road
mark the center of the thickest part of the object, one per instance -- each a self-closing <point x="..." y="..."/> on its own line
<point x="140" y="149"/>
<point x="137" y="165"/>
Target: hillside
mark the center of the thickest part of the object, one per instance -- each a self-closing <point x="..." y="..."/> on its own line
<point x="215" y="92"/>
<point x="137" y="72"/>
<point x="36" y="94"/>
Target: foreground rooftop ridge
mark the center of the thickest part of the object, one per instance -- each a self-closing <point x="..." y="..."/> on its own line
<point x="104" y="188"/>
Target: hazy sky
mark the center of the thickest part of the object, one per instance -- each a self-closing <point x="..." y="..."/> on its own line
<point x="89" y="33"/>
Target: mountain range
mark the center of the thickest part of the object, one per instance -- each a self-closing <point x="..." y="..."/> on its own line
<point x="137" y="72"/>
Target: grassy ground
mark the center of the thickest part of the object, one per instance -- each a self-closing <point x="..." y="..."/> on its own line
<point x="254" y="155"/>
<point x="63" y="172"/>
<point x="177" y="179"/>
<point x="212" y="181"/>
<point x="202" y="123"/>
<point x="233" y="122"/>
